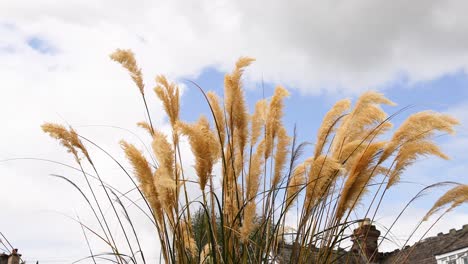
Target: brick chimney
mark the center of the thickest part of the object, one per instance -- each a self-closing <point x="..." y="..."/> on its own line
<point x="14" y="257"/>
<point x="365" y="241"/>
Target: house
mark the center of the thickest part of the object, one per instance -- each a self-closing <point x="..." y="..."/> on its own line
<point x="12" y="258"/>
<point x="450" y="248"/>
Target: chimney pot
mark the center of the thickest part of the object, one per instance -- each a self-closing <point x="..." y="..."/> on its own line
<point x="14" y="257"/>
<point x="365" y="241"/>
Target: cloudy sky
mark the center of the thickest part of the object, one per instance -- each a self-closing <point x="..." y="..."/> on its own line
<point x="54" y="66"/>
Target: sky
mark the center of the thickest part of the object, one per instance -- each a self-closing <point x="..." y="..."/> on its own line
<point x="54" y="66"/>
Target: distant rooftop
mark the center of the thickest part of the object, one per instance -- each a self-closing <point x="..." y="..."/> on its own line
<point x="425" y="251"/>
<point x="451" y="247"/>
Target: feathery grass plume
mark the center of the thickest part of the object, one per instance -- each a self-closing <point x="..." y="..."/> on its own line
<point x="233" y="201"/>
<point x="252" y="184"/>
<point x="75" y="141"/>
<point x="258" y="120"/>
<point x="381" y="170"/>
<point x="204" y="145"/>
<point x="188" y="239"/>
<point x="60" y="133"/>
<point x="143" y="173"/>
<point x="163" y="150"/>
<point x="236" y="108"/>
<point x="68" y="138"/>
<point x="455" y="196"/>
<point x="228" y="175"/>
<point x="296" y="182"/>
<point x="127" y="59"/>
<point x="380" y="129"/>
<point x="168" y="93"/>
<point x="248" y="225"/>
<point x="218" y="115"/>
<point x="239" y="163"/>
<point x="359" y="177"/>
<point x="229" y="202"/>
<point x="146" y="127"/>
<point x="166" y="185"/>
<point x="407" y="155"/>
<point x="328" y="124"/>
<point x="280" y="155"/>
<point x="352" y="151"/>
<point x="420" y="126"/>
<point x="321" y="175"/>
<point x="164" y="176"/>
<point x="361" y="122"/>
<point x="255" y="170"/>
<point x="273" y="121"/>
<point x="241" y="199"/>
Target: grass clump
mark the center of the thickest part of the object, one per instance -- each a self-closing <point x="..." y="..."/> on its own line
<point x="263" y="174"/>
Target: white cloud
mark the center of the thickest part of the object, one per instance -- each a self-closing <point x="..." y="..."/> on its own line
<point x="311" y="45"/>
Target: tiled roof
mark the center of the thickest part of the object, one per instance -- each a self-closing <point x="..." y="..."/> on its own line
<point x="423" y="252"/>
<point x="426" y="250"/>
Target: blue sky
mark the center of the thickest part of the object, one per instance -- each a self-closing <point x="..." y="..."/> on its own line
<point x="439" y="94"/>
<point x="55" y="67"/>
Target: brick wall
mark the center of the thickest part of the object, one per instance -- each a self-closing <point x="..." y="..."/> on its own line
<point x="13" y="258"/>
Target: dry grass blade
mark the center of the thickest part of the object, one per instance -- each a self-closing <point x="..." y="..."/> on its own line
<point x="455" y="196"/>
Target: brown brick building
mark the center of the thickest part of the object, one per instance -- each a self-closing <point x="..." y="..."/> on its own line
<point x="450" y="248"/>
<point x="13" y="258"/>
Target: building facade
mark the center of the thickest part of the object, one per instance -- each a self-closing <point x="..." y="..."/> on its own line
<point x="459" y="256"/>
<point x="450" y="248"/>
<point x="12" y="258"/>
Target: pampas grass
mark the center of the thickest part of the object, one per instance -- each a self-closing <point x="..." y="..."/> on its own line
<point x="455" y="197"/>
<point x="264" y="178"/>
<point x="204" y="146"/>
<point x="127" y="59"/>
